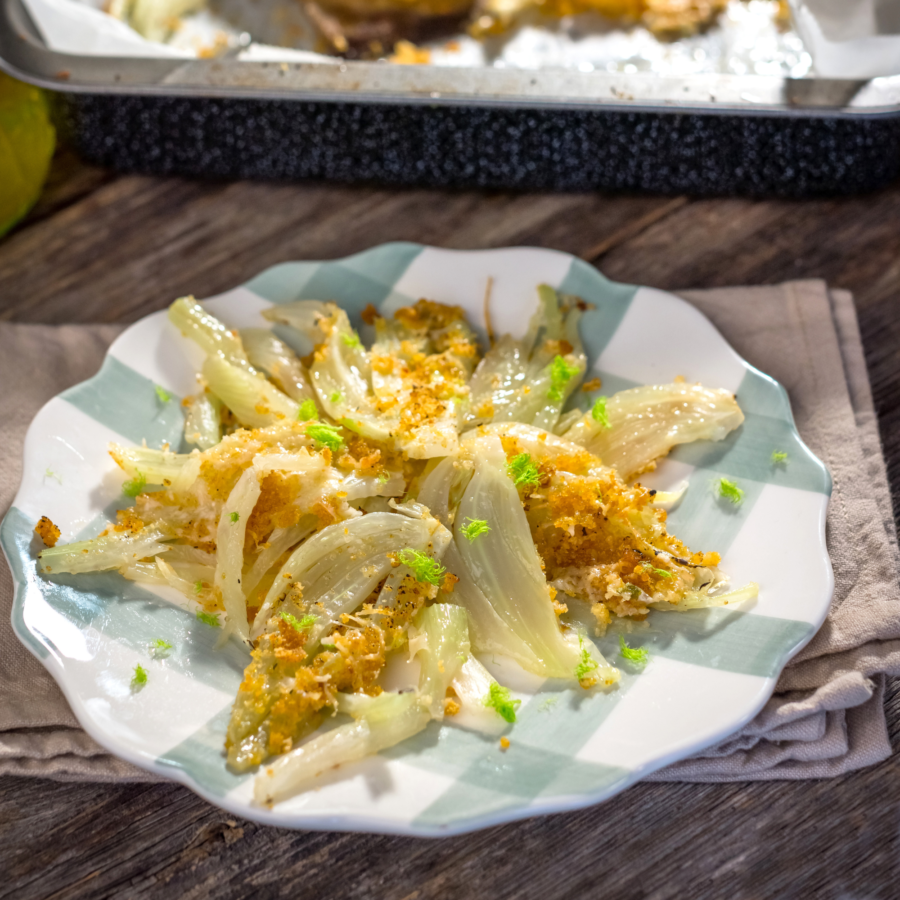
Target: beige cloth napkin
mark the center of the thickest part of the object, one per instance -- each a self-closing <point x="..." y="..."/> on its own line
<point x="827" y="715"/>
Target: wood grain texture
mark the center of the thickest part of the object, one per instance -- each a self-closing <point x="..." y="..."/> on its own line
<point x="826" y="839"/>
<point x="135" y="244"/>
<point x="67" y="182"/>
<point x="113" y="248"/>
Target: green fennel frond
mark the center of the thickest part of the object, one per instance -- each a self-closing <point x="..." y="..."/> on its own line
<point x="474" y="527"/>
<point x="139" y="678"/>
<point x="523" y="471"/>
<point x="499" y="699"/>
<point x="730" y="491"/>
<point x="298" y="624"/>
<point x="425" y="568"/>
<point x="779" y="456"/>
<point x="162" y="393"/>
<point x="160" y="647"/>
<point x="586" y="665"/>
<point x="599" y="413"/>
<point x="307" y="411"/>
<point x="135" y="486"/>
<point x="352" y="340"/>
<point x="561" y="373"/>
<point x="235" y="517"/>
<point x="326" y="436"/>
<point x="209" y="619"/>
<point x="336" y="397"/>
<point x="637" y="655"/>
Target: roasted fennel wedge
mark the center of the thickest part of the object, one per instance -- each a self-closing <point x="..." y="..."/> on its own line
<point x="501" y="579"/>
<point x="641" y="425"/>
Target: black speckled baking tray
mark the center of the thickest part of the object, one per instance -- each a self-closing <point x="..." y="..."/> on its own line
<point x="493" y="147"/>
<point x="488" y="128"/>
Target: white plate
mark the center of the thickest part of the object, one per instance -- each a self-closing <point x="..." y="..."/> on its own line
<point x="710" y="671"/>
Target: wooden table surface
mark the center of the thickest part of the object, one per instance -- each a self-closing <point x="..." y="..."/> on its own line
<point x="102" y="247"/>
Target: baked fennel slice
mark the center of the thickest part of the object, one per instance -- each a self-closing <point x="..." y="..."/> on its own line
<point x="406" y="499"/>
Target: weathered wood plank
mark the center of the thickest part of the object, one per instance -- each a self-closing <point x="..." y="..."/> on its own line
<point x="851" y="242"/>
<point x="68" y="181"/>
<point x="135" y="244"/>
<point x="825" y="839"/>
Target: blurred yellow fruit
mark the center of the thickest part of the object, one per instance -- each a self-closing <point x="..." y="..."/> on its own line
<point x="27" y="139"/>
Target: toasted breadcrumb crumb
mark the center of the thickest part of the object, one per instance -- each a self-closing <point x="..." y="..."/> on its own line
<point x="47" y="532"/>
<point x="449" y="583"/>
<point x="370" y="314"/>
<point x="407" y="53"/>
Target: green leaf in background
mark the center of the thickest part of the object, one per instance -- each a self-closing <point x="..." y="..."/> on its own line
<point x="27" y="139"/>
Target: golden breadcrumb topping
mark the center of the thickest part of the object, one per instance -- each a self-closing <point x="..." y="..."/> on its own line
<point x="449" y="583"/>
<point x="603" y="540"/>
<point x="427" y="315"/>
<point x="275" y="507"/>
<point x="281" y="694"/>
<point x="363" y="456"/>
<point x="283" y="691"/>
<point x="667" y="19"/>
<point x="47" y="532"/>
<point x="127" y="522"/>
<point x="422" y="408"/>
<point x="370" y="314"/>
